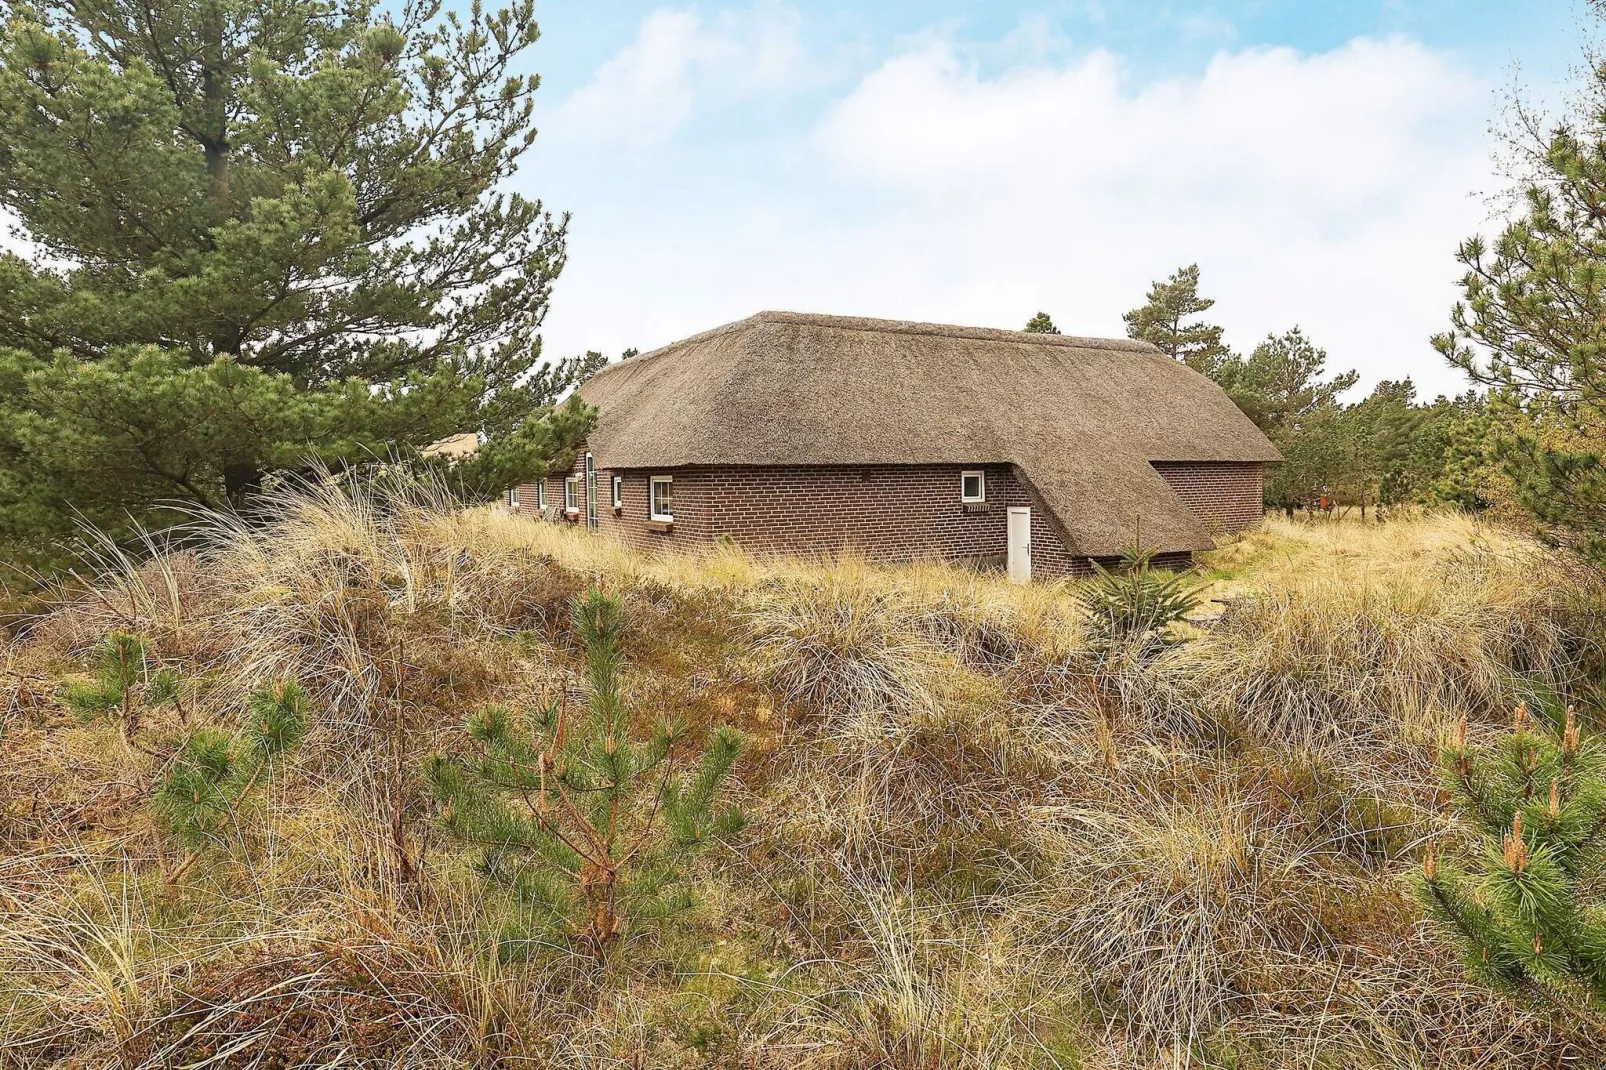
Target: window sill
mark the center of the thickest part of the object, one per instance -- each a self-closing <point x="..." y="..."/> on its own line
<point x="663" y="527"/>
<point x="977" y="507"/>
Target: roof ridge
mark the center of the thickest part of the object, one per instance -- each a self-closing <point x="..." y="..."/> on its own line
<point x="950" y="330"/>
<point x="885" y="326"/>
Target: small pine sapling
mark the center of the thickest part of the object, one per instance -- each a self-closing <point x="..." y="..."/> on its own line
<point x="127" y="683"/>
<point x="197" y="802"/>
<point x="1135" y="604"/>
<point x="1516" y="897"/>
<point x="590" y="828"/>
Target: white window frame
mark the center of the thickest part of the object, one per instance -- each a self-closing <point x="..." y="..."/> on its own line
<point x="540" y="494"/>
<point x="618" y="492"/>
<point x="591" y="492"/>
<point x="981" y="479"/>
<point x="513" y="496"/>
<point x="571" y="494"/>
<point x="652" y="499"/>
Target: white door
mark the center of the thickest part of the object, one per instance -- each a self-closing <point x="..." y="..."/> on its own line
<point x="1020" y="544"/>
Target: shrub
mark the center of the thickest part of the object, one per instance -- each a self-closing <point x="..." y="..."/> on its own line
<point x="1516" y="897"/>
<point x="586" y="826"/>
<point x="1135" y="604"/>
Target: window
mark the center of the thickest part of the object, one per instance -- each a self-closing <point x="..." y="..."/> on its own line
<point x="540" y="494"/>
<point x="571" y="494"/>
<point x="973" y="486"/>
<point x="591" y="492"/>
<point x="618" y="492"/>
<point x="661" y="508"/>
<point x="513" y="497"/>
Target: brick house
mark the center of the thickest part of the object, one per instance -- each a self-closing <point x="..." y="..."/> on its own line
<point x="814" y="434"/>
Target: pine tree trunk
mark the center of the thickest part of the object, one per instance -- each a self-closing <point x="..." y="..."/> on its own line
<point x="214" y="138"/>
<point x="242" y="481"/>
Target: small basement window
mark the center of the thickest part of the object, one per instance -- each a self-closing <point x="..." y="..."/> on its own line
<point x="973" y="486"/>
<point x="661" y="507"/>
<point x="513" y="497"/>
<point x="618" y="492"/>
<point x="571" y="494"/>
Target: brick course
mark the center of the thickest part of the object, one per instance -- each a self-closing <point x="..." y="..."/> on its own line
<point x="889" y="513"/>
<point x="1226" y="496"/>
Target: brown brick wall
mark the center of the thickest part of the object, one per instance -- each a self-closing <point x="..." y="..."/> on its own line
<point x="889" y="513"/>
<point x="631" y="522"/>
<point x="886" y="512"/>
<point x="1226" y="496"/>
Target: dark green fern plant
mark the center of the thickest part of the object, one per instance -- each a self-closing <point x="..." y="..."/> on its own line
<point x="127" y="682"/>
<point x="587" y="825"/>
<point x="1517" y="896"/>
<point x="1136" y="603"/>
<point x="198" y="801"/>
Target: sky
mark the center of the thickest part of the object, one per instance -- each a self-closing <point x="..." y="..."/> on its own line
<point x="976" y="162"/>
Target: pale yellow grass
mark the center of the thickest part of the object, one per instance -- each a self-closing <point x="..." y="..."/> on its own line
<point x="976" y="840"/>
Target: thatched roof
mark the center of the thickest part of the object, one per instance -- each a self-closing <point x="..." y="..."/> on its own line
<point x="454" y="447"/>
<point x="1080" y="418"/>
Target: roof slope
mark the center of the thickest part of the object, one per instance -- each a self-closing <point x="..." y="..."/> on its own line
<point x="1081" y="418"/>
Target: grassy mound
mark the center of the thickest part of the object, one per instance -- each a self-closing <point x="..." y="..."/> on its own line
<point x="976" y="838"/>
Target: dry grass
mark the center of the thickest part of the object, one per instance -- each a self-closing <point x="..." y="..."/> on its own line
<point x="1364" y="643"/>
<point x="976" y="842"/>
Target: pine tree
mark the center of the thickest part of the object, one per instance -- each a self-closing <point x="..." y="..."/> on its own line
<point x="1168" y="319"/>
<point x="257" y="233"/>
<point x="589" y="828"/>
<point x="127" y="682"/>
<point x="1283" y="389"/>
<point x="1531" y="322"/>
<point x="1463" y="439"/>
<point x="1386" y="421"/>
<point x="199" y="799"/>
<point x="1134" y="606"/>
<point x="1516" y="897"/>
<point x="1040" y="324"/>
<point x="1282" y="383"/>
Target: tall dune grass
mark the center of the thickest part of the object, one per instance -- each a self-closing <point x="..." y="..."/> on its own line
<point x="976" y="840"/>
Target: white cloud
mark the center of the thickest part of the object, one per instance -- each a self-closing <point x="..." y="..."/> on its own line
<point x="1327" y="190"/>
<point x="648" y="89"/>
